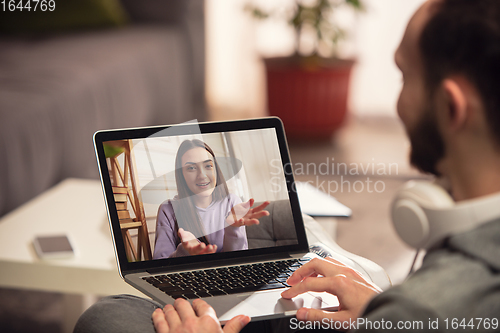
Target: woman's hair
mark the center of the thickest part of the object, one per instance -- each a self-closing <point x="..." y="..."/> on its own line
<point x="186" y="214"/>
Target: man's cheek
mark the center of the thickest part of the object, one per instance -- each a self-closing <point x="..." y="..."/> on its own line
<point x="404" y="110"/>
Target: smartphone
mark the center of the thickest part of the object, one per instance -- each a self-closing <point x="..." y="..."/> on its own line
<point x="53" y="247"/>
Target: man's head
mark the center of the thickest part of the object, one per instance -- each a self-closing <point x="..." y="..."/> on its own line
<point x="450" y="60"/>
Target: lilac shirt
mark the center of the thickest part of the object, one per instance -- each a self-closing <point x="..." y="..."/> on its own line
<point x="213" y="218"/>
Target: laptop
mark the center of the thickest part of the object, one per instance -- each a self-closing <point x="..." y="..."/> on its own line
<point x="178" y="205"/>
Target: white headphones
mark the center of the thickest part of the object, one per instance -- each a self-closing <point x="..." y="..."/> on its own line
<point x="423" y="213"/>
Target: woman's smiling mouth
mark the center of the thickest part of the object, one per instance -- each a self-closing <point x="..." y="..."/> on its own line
<point x="203" y="185"/>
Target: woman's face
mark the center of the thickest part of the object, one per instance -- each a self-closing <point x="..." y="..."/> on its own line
<point x="198" y="168"/>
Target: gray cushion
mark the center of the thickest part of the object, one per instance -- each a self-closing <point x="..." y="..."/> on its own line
<point x="55" y="93"/>
<point x="273" y="230"/>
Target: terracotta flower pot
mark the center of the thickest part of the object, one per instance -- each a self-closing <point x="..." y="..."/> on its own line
<point x="308" y="94"/>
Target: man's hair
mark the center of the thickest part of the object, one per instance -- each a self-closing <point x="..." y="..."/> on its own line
<point x="463" y="37"/>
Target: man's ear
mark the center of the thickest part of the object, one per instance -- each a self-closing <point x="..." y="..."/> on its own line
<point x="456" y="103"/>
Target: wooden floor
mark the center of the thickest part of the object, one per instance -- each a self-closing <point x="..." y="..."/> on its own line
<point x="370" y="162"/>
<point x="367" y="146"/>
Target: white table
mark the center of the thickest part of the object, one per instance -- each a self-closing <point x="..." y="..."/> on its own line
<point x="74" y="207"/>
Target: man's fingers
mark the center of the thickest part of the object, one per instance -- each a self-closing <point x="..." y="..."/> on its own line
<point x="319" y="267"/>
<point x="353" y="272"/>
<point x="334" y="261"/>
<point x="312" y="267"/>
<point x="159" y="321"/>
<point x="319" y="284"/>
<point x="318" y="315"/>
<point x="236" y="324"/>
<point x="171" y="316"/>
<point x="313" y="314"/>
<point x="184" y="309"/>
<point x="339" y="285"/>
<point x="203" y="309"/>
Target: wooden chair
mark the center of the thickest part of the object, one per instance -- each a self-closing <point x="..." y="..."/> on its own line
<point x="126" y="190"/>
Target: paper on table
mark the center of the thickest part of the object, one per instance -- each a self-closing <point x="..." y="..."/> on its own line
<point x="315" y="202"/>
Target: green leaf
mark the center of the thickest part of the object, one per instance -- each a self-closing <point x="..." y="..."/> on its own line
<point x="355" y="3"/>
<point x="110" y="151"/>
<point x="318" y="16"/>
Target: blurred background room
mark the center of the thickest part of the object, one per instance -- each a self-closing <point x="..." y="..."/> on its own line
<point x="100" y="64"/>
<point x="370" y="134"/>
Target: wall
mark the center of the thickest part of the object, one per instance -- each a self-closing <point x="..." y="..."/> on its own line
<point x="235" y="44"/>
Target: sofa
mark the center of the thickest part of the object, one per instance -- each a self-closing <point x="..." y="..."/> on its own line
<point x="272" y="230"/>
<point x="57" y="89"/>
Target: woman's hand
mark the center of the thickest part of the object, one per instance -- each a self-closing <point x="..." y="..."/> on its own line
<point x="242" y="214"/>
<point x="351" y="288"/>
<point x="193" y="246"/>
<point x="201" y="317"/>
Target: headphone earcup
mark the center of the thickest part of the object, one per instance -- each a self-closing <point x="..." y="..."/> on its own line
<point x="410" y="222"/>
<point x="408" y="214"/>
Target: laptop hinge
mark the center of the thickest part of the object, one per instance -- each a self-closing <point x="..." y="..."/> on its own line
<point x="217" y="263"/>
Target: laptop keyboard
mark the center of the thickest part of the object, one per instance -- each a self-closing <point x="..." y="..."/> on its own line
<point x="226" y="280"/>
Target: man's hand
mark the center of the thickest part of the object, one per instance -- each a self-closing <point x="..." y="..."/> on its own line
<point x="242" y="214"/>
<point x="329" y="275"/>
<point x="201" y="317"/>
<point x="193" y="246"/>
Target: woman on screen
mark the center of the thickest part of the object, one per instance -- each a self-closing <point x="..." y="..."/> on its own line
<point x="203" y="217"/>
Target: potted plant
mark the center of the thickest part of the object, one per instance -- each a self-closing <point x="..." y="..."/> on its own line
<point x="309" y="91"/>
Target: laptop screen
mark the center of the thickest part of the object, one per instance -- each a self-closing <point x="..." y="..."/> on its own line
<point x="195" y="192"/>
